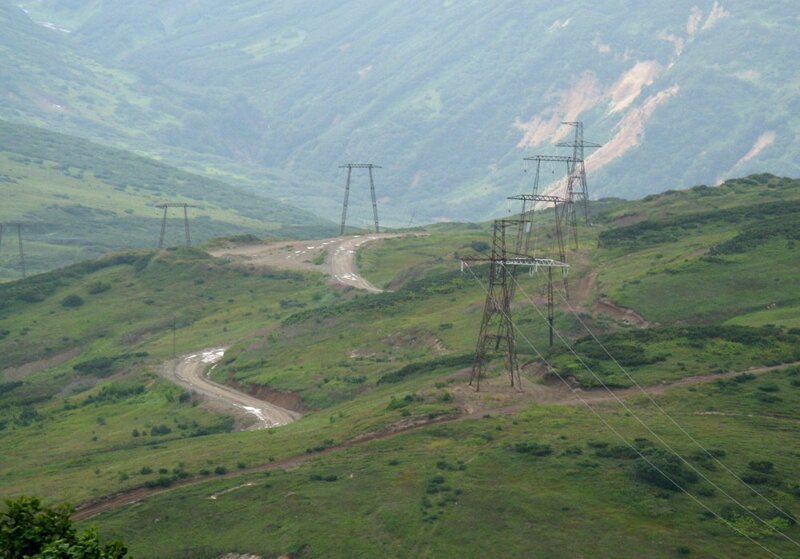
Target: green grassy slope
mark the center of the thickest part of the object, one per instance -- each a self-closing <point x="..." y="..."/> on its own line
<point x="444" y="96"/>
<point x="514" y="478"/>
<point x="701" y="258"/>
<point x="80" y="200"/>
<point x="714" y="252"/>
<point x="462" y="490"/>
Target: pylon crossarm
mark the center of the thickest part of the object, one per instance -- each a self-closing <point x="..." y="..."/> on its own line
<point x="562" y="158"/>
<point x="539" y="198"/>
<point x="534" y="262"/>
<point x="518" y="261"/>
<point x="164" y="205"/>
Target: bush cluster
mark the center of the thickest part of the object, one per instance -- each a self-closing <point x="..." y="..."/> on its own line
<point x="414" y="369"/>
<point x="775" y="218"/>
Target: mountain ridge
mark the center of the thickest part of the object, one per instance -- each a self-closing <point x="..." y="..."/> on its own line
<point x="450" y="97"/>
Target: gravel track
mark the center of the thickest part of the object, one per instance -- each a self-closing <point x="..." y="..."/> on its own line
<point x="338" y="254"/>
<point x="190" y="372"/>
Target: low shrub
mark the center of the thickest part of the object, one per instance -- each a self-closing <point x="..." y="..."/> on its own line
<point x="98" y="287"/>
<point x="662" y="469"/>
<point x="415" y="369"/>
<point x="329" y="478"/>
<point x="763" y="466"/>
<point x="770" y="387"/>
<point x="72" y="301"/>
<point x="532" y="449"/>
<point x="161" y="481"/>
<point x="160" y="430"/>
<point x="618" y="451"/>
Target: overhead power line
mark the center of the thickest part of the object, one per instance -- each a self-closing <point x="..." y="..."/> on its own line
<point x="600" y="381"/>
<point x="628" y="443"/>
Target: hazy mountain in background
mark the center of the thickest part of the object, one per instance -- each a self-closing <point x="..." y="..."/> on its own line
<point x="448" y="97"/>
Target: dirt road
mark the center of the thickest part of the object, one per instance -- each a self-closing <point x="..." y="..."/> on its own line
<point x="334" y="257"/>
<point x="190" y="372"/>
<point x="552" y="395"/>
<point x="342" y="263"/>
<point x="582" y="292"/>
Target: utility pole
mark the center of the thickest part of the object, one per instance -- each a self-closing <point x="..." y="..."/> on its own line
<point x="350" y="167"/>
<point x="21" y="252"/>
<point x="165" y="206"/>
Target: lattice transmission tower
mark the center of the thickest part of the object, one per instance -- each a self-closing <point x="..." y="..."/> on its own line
<point x="515" y="246"/>
<point x="496" y="335"/>
<point x="536" y="198"/>
<point x="350" y="167"/>
<point x="577" y="187"/>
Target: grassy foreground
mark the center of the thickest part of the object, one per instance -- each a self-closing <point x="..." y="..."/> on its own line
<point x="451" y="472"/>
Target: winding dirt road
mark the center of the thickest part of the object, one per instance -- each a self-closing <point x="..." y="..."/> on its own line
<point x="190" y="372"/>
<point x="334" y="257"/>
<point x="342" y="263"/>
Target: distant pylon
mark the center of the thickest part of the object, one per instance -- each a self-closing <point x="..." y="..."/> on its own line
<point x="537" y="197"/>
<point x="577" y="187"/>
<point x="562" y="209"/>
<point x="19" y="242"/>
<point x="350" y="167"/>
<point x="165" y="206"/>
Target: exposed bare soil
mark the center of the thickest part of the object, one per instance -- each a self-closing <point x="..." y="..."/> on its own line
<point x="581" y="291"/>
<point x="336" y="257"/>
<point x="22" y="371"/>
<point x="628" y="316"/>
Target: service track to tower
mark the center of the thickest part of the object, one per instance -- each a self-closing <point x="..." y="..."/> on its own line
<point x="335" y="257"/>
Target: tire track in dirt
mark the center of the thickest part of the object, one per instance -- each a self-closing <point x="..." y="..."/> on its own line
<point x="582" y="293"/>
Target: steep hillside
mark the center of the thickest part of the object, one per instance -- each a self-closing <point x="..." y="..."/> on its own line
<point x="79" y="200"/>
<point x="450" y="97"/>
<point x="47" y="80"/>
<point x="690" y="451"/>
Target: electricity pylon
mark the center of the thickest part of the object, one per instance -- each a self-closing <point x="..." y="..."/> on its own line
<point x="350" y="167"/>
<point x="19" y="242"/>
<point x="165" y="206"/>
<point x="577" y="186"/>
<point x="497" y="327"/>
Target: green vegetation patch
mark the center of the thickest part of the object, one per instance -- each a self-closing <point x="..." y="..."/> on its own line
<point x="781" y="216"/>
<point x="674" y="352"/>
